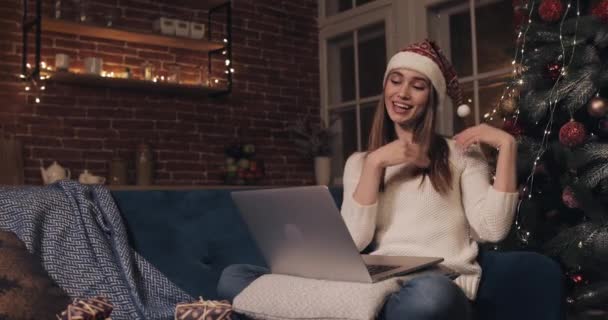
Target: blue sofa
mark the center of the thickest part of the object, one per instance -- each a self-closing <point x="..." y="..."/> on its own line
<point x="191" y="235"/>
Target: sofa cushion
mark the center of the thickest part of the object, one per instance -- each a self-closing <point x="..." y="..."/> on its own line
<point x="190" y="235"/>
<point x="26" y="290"/>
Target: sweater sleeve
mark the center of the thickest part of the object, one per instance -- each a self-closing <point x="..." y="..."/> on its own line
<point x="360" y="220"/>
<point x="489" y="212"/>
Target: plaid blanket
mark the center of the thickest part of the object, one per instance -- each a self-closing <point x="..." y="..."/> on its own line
<point x="79" y="234"/>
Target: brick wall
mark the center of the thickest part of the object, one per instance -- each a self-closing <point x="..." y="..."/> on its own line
<point x="275" y="59"/>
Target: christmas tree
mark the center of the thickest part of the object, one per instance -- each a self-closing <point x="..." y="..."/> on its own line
<point x="556" y="107"/>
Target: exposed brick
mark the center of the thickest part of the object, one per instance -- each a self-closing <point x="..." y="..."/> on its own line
<point x="41" y="141"/>
<point x="147" y="114"/>
<point x="107" y="58"/>
<point x="109" y="113"/>
<point x="276" y="81"/>
<point x="91" y="153"/>
<point x="190" y="176"/>
<point x="85" y="133"/>
<point x="132" y="124"/>
<point x="56" y="153"/>
<point x="177" y="155"/>
<point x="82" y="143"/>
<point x="175" y="126"/>
<point x="48" y="130"/>
<point x="141" y="135"/>
<point x="190" y="166"/>
<point x="179" y="136"/>
<point x="87" y="123"/>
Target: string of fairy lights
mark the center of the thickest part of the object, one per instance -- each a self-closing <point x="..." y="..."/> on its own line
<point x="517" y="66"/>
<point x="35" y="82"/>
<point x="523" y="234"/>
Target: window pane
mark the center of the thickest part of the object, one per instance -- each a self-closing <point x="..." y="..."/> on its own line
<point x="336" y="6"/>
<point x="362" y="2"/>
<point x="495" y="36"/>
<point x="345" y="139"/>
<point x="463" y="123"/>
<point x="341" y="68"/>
<point x="372" y="59"/>
<point x="367" y="118"/>
<point x="490" y="91"/>
<point x="460" y="42"/>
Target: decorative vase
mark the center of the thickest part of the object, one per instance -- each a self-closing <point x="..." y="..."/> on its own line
<point x="118" y="171"/>
<point x="322" y="170"/>
<point x="144" y="166"/>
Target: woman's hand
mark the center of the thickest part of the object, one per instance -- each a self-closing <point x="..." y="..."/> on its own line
<point x="400" y="152"/>
<point x="483" y="133"/>
<point x="505" y="178"/>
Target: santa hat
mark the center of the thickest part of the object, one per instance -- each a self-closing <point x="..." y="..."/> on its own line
<point x="428" y="59"/>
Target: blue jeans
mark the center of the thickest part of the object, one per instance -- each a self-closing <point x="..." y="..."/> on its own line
<point x="428" y="297"/>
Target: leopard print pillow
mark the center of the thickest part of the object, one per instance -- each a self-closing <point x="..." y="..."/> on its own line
<point x="26" y="290"/>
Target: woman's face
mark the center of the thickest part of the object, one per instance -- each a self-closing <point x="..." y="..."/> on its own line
<point x="406" y="94"/>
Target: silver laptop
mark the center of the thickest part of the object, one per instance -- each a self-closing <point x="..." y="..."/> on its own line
<point x="300" y="232"/>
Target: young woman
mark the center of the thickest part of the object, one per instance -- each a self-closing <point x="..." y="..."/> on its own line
<point x="416" y="193"/>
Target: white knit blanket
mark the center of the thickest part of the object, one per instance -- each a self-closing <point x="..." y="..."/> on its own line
<point x="283" y="297"/>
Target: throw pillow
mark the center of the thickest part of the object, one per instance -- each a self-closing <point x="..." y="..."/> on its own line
<point x="26" y="290"/>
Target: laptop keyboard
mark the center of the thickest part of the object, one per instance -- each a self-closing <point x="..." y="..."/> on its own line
<point x="374" y="269"/>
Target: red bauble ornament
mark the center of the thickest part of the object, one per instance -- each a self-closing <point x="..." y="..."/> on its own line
<point x="553" y="71"/>
<point x="551" y="10"/>
<point x="572" y="134"/>
<point x="512" y="127"/>
<point x="576" y="278"/>
<point x="601" y="11"/>
<point x="569" y="199"/>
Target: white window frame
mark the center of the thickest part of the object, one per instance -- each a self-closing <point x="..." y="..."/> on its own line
<point x="406" y="21"/>
<point x="443" y="39"/>
<point x="350" y="21"/>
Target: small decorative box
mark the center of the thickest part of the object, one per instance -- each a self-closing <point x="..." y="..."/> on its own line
<point x="182" y="28"/>
<point x="166" y="26"/>
<point x="98" y="308"/>
<point x="197" y="30"/>
<point x="208" y="310"/>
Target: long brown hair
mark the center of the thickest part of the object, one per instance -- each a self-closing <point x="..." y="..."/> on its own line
<point x="383" y="132"/>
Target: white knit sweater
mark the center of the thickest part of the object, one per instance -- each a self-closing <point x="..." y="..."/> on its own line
<point x="413" y="219"/>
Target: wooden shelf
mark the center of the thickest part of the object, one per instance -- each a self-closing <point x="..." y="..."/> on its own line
<point x="92" y="80"/>
<point x="82" y="29"/>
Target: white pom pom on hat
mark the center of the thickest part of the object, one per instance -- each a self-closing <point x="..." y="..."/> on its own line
<point x="463" y="110"/>
<point x="428" y="59"/>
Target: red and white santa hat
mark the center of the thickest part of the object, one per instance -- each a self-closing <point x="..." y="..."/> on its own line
<point x="428" y="59"/>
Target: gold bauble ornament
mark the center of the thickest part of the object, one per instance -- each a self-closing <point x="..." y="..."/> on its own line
<point x="508" y="105"/>
<point x="597" y="107"/>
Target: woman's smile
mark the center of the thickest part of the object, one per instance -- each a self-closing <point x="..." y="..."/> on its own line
<point x="402" y="108"/>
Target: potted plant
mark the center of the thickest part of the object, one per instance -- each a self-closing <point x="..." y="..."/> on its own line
<point x="313" y="142"/>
